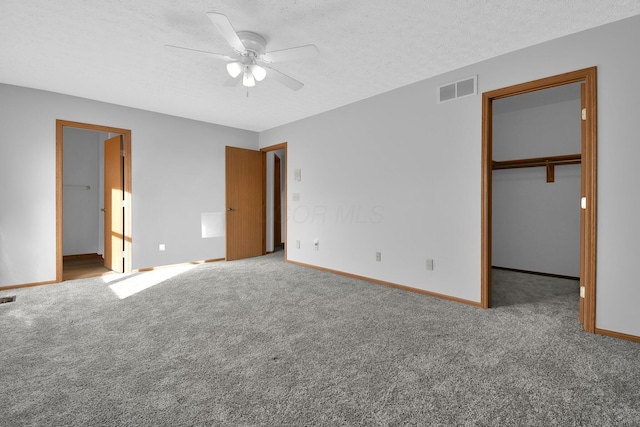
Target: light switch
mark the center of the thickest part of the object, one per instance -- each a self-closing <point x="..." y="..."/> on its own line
<point x="296" y="197"/>
<point x="297" y="174"/>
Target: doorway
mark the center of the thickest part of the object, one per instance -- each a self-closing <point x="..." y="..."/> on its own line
<point x="116" y="204"/>
<point x="588" y="184"/>
<point x="276" y="198"/>
<point x="247" y="225"/>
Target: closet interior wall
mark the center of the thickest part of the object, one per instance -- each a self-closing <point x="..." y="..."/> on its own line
<point x="536" y="209"/>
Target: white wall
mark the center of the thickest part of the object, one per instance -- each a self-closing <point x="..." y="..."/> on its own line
<point x="409" y="172"/>
<point x="536" y="225"/>
<point x="177" y="174"/>
<point x="80" y="179"/>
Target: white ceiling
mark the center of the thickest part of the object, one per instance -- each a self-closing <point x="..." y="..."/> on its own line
<point x="113" y="50"/>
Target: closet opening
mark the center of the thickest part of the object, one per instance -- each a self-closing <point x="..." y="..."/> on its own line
<point x="539" y="192"/>
<point x="93" y="200"/>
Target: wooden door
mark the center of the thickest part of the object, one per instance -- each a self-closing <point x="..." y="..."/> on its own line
<point x="113" y="206"/>
<point x="277" y="204"/>
<point x="245" y="189"/>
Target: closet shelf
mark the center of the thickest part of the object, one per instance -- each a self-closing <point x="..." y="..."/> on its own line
<point x="549" y="162"/>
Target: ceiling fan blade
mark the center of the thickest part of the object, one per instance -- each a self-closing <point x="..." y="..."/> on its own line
<point x="291" y="54"/>
<point x="216" y="55"/>
<point x="226" y="29"/>
<point x="283" y="79"/>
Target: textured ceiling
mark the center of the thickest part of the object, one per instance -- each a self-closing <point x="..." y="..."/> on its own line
<point x="113" y="50"/>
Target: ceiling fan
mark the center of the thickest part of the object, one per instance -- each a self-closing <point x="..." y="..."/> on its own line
<point x="251" y="62"/>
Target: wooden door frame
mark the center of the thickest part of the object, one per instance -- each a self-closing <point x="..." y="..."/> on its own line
<point x="588" y="170"/>
<point x="126" y="133"/>
<point x="281" y="146"/>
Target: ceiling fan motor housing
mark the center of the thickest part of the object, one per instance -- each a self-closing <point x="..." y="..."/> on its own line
<point x="254" y="43"/>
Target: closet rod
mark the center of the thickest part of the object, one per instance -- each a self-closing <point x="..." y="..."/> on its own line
<point x="567" y="159"/>
<point x="549" y="162"/>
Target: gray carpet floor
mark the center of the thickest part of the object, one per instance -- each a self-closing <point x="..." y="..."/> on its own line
<point x="263" y="342"/>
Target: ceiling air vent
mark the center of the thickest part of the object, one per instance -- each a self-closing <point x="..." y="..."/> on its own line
<point x="459" y="89"/>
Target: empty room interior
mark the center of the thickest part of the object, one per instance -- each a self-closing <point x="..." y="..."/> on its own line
<point x="319" y="213"/>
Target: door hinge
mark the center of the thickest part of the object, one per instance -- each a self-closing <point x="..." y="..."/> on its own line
<point x="124" y="203"/>
<point x="122" y="151"/>
<point x="584" y="114"/>
<point x="124" y="255"/>
<point x="583" y="203"/>
<point x="581" y="291"/>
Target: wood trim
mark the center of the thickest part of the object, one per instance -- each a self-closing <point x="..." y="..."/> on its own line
<point x="27" y="285"/>
<point x="59" y="156"/>
<point x="537" y="273"/>
<point x="543" y="83"/>
<point x="619" y="335"/>
<point x="281" y="146"/>
<point x="487" y="197"/>
<point x="390" y="284"/>
<point x="589" y="169"/>
<point x="126" y="133"/>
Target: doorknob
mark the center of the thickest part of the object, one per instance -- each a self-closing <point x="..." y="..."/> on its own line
<point x="103" y="210"/>
<point x="229" y="209"/>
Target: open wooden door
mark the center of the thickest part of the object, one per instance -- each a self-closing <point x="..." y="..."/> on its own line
<point x="245" y="225"/>
<point x="113" y="204"/>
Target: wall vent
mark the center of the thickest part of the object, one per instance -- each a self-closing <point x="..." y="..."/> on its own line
<point x="459" y="89"/>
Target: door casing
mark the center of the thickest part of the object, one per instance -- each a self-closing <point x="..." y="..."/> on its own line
<point x="126" y="133"/>
<point x="589" y="180"/>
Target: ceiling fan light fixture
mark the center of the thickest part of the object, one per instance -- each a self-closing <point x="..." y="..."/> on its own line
<point x="247" y="78"/>
<point x="258" y="72"/>
<point x="234" y="68"/>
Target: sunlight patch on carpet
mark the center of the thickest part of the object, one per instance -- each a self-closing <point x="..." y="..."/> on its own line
<point x="140" y="282"/>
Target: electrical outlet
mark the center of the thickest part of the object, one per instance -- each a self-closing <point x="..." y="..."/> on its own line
<point x="378" y="256"/>
<point x="161" y="247"/>
<point x="316" y="244"/>
<point x="429" y="264"/>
